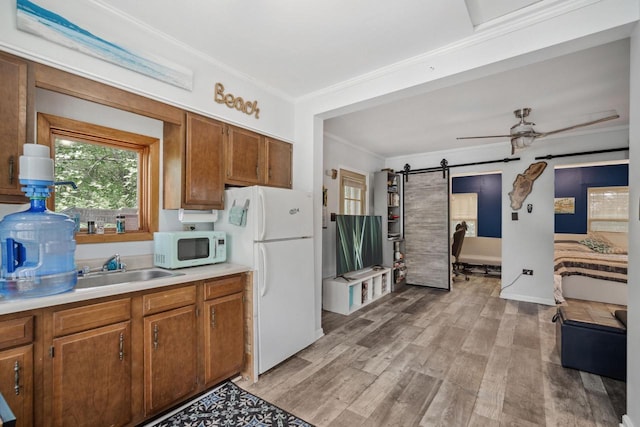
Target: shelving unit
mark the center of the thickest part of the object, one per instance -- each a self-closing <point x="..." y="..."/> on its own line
<point x="344" y="296"/>
<point x="387" y="201"/>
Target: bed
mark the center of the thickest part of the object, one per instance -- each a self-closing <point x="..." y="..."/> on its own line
<point x="590" y="267"/>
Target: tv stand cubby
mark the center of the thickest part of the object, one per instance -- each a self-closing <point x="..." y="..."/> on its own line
<point x="344" y="296"/>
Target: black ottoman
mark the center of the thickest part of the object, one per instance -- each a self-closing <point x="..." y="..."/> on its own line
<point x="592" y="341"/>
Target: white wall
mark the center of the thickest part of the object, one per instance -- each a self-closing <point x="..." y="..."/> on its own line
<point x="339" y="155"/>
<point x="633" y="333"/>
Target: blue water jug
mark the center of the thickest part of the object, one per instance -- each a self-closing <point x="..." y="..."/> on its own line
<point x="38" y="250"/>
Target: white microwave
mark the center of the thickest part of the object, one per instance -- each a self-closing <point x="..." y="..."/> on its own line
<point x="178" y="249"/>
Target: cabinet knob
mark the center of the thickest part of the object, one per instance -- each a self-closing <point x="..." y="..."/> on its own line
<point x="213" y="317"/>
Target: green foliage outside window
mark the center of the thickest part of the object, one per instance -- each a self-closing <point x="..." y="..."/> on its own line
<point x="106" y="177"/>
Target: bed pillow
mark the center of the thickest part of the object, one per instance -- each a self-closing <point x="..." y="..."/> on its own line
<point x="601" y="244"/>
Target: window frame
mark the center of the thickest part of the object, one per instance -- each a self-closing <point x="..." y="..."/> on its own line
<point x="361" y="181"/>
<point x="590" y="220"/>
<point x="50" y="127"/>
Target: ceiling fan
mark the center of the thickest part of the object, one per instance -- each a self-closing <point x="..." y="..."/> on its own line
<point x="522" y="134"/>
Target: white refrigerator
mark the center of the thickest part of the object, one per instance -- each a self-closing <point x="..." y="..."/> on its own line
<point x="277" y="243"/>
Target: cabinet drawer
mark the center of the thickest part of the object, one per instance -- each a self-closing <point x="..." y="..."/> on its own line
<point x="166" y="300"/>
<point x="221" y="287"/>
<point x="91" y="316"/>
<point x="16" y="332"/>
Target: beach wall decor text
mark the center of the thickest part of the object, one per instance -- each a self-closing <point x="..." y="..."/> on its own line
<point x="247" y="107"/>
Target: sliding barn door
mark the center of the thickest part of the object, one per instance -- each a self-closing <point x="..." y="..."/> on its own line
<point x="426" y="229"/>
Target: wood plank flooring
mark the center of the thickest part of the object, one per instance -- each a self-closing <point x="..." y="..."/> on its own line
<point x="424" y="357"/>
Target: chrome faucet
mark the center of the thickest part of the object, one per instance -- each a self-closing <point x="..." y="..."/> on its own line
<point x="114" y="263"/>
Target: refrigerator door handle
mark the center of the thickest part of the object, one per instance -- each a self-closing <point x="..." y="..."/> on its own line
<point x="263" y="230"/>
<point x="263" y="252"/>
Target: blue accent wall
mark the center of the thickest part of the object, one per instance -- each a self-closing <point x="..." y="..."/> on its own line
<point x="573" y="182"/>
<point x="489" y="188"/>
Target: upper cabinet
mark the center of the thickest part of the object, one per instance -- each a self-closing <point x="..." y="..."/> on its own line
<point x="244" y="156"/>
<point x="200" y="155"/>
<point x="193" y="164"/>
<point x="279" y="157"/>
<point x="14" y="94"/>
<point x="253" y="159"/>
<point x="204" y="183"/>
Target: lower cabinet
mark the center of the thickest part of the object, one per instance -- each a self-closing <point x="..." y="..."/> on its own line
<point x="117" y="361"/>
<point x="90" y="365"/>
<point x="223" y="337"/>
<point x="92" y="377"/>
<point x="16" y="382"/>
<point x="169" y="357"/>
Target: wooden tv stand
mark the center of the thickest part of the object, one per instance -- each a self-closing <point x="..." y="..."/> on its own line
<point x="345" y="296"/>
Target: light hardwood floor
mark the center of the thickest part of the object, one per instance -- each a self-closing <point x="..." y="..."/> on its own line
<point x="424" y="357"/>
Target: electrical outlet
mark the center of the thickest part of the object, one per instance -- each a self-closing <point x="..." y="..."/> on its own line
<point x="527" y="272"/>
<point x="188" y="227"/>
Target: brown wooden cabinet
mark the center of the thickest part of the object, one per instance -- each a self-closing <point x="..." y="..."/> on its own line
<point x="119" y="360"/>
<point x="16" y="367"/>
<point x="91" y="365"/>
<point x="244" y="156"/>
<point x="14" y="91"/>
<point x="223" y="326"/>
<point x="170" y="348"/>
<point x="92" y="377"/>
<point x="16" y="382"/>
<point x="278" y="159"/>
<point x="193" y="164"/>
<point x="253" y="159"/>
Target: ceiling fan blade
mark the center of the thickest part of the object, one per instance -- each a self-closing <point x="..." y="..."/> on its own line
<point x="486" y="136"/>
<point x="593" y="122"/>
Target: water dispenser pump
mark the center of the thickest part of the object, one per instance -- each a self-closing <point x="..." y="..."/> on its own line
<point x="37" y="245"/>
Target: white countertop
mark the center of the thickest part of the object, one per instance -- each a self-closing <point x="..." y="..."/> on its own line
<point x="186" y="275"/>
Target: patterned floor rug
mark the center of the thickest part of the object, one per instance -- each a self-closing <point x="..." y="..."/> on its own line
<point x="229" y="406"/>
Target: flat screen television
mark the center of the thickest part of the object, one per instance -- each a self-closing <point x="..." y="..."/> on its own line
<point x="358" y="242"/>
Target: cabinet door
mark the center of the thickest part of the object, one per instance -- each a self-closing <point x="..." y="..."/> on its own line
<point x="244" y="156"/>
<point x="278" y="159"/>
<point x="223" y="337"/>
<point x="92" y="377"/>
<point x="16" y="382"/>
<point x="169" y="357"/>
<point x="13" y="126"/>
<point x="203" y="181"/>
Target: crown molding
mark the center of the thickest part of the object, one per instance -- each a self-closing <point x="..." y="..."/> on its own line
<point x="352" y="145"/>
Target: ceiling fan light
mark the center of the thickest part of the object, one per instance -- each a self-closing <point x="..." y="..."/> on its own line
<point x="521" y="142"/>
<point x="521" y="128"/>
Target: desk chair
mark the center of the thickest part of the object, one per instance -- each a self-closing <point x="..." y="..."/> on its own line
<point x="456" y="248"/>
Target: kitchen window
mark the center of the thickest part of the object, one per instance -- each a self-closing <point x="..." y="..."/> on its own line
<point x="353" y="190"/>
<point x="116" y="172"/>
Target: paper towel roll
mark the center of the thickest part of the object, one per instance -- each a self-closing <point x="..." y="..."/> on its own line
<point x="197" y="217"/>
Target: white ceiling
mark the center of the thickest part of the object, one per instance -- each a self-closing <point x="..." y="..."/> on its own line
<point x="564" y="91"/>
<point x="300" y="47"/>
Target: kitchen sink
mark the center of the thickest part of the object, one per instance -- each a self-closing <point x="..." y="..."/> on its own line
<point x="94" y="280"/>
